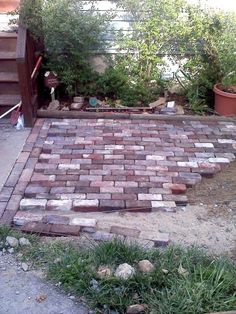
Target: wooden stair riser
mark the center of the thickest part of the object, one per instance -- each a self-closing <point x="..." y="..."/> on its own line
<point x="8" y="44"/>
<point x="9" y="88"/>
<point x="8" y="66"/>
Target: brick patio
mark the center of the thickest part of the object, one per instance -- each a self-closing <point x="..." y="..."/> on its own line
<point x="89" y="165"/>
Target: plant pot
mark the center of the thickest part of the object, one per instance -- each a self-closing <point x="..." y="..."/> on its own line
<point x="8" y="5"/>
<point x="225" y="103"/>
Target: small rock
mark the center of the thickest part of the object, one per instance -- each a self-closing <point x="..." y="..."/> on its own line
<point x="183" y="271"/>
<point x="24" y="242"/>
<point x="124" y="271"/>
<point x="13" y="242"/>
<point x="78" y="99"/>
<point x="25" y="267"/>
<point x="136" y="308"/>
<point x="11" y="250"/>
<point x="57" y="260"/>
<point x="54" y="105"/>
<point x="65" y="108"/>
<point x="145" y="266"/>
<point x="76" y="106"/>
<point x="104" y="272"/>
<point x="165" y="271"/>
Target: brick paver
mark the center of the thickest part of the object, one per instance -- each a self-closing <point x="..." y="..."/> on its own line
<point x="78" y="165"/>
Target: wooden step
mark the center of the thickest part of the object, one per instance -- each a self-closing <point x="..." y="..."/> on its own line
<point x="9" y="88"/>
<point x="8" y="44"/>
<point x="8" y="35"/>
<point x="9" y="100"/>
<point x="8" y="77"/>
<point x="7" y="55"/>
<point x="8" y="66"/>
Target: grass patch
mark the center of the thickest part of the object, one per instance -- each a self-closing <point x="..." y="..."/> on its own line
<point x="207" y="285"/>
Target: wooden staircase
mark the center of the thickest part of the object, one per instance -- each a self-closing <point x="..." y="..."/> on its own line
<point x="9" y="80"/>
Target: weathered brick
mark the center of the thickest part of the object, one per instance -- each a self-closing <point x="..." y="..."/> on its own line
<point x="83" y="222"/>
<point x="62" y="190"/>
<point x="175" y="188"/>
<point x="159" y="239"/>
<point x="149" y="197"/>
<point x="61" y="205"/>
<point x="5" y="194"/>
<point x="130" y="232"/>
<point x="56" y="219"/>
<point x="33" y="204"/>
<point x="14" y="203"/>
<point x="22" y="217"/>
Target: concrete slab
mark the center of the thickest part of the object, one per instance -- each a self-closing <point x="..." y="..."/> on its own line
<point x="11" y="144"/>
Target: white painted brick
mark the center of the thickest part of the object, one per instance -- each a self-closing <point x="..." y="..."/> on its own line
<point x="114" y="146"/>
<point x="33" y="204"/>
<point x="71" y="196"/>
<point x="204" y="145"/>
<point x="69" y="166"/>
<point x="219" y="160"/>
<point x="149" y="197"/>
<point x="155" y="157"/>
<point x="49" y="156"/>
<point x="85" y="203"/>
<point x="159" y="204"/>
<point x="191" y="164"/>
<point x="226" y="141"/>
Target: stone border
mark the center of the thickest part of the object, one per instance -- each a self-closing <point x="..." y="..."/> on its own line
<point x="103" y="115"/>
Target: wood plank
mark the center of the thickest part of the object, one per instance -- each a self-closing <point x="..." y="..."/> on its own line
<point x="7" y="55"/>
<point x="9" y="100"/>
<point x="9" y="77"/>
<point x="8" y="35"/>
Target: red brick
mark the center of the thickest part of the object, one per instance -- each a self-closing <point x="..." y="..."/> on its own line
<point x="23" y="157"/>
<point x="176" y="188"/>
<point x="112" y="204"/>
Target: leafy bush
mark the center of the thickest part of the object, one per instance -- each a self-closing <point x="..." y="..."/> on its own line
<point x="70" y="34"/>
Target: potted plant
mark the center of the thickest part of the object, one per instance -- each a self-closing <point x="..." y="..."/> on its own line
<point x="225" y="89"/>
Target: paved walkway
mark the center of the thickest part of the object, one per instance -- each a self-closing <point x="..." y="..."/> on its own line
<point x="87" y="165"/>
<point x="11" y="144"/>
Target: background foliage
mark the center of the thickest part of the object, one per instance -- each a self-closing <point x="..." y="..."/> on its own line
<point x="201" y="40"/>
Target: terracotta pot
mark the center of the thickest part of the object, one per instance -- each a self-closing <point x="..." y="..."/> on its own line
<point x="225" y="103"/>
<point x="8" y="5"/>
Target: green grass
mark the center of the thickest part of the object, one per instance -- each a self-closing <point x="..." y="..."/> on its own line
<point x="209" y="285"/>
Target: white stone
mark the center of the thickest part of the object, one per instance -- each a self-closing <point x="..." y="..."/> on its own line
<point x="83" y="222"/>
<point x="25" y="266"/>
<point x="11" y="250"/>
<point x="86" y="203"/>
<point x="136" y="309"/>
<point x="104" y="272"/>
<point x="145" y="266"/>
<point x="170" y="104"/>
<point x="76" y="106"/>
<point x="33" y="204"/>
<point x="124" y="271"/>
<point x="24" y="242"/>
<point x="54" y="105"/>
<point x="12" y="241"/>
<point x="204" y="145"/>
<point x="219" y="160"/>
<point x="78" y="99"/>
